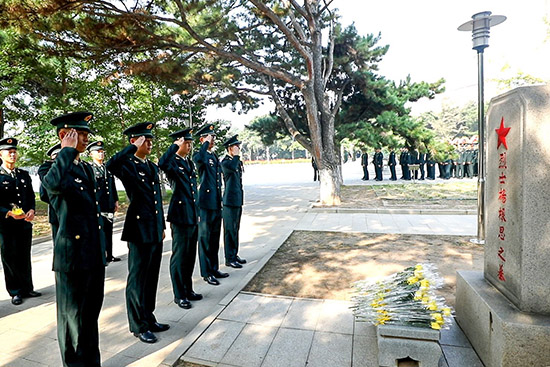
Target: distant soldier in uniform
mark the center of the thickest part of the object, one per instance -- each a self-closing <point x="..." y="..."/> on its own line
<point x="79" y="246"/>
<point x="42" y="170"/>
<point x="315" y="170"/>
<point x="392" y="163"/>
<point x="460" y="162"/>
<point x="17" y="204"/>
<point x="406" y="160"/>
<point x="365" y="165"/>
<point x="108" y="196"/>
<point x="182" y="215"/>
<point x="430" y="164"/>
<point x="232" y="169"/>
<point x="475" y="160"/>
<point x="422" y="165"/>
<point x="468" y="165"/>
<point x="414" y="159"/>
<point x="378" y="162"/>
<point x="210" y="205"/>
<point x="143" y="229"/>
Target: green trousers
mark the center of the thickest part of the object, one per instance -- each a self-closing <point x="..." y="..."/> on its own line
<point x="79" y="296"/>
<point x="182" y="261"/>
<point x="15" y="246"/>
<point x="231" y="225"/>
<point x="141" y="288"/>
<point x="209" y="240"/>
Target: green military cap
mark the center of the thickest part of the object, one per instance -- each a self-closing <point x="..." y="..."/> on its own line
<point x="8" y="143"/>
<point x="54" y="150"/>
<point x="232" y="141"/>
<point x="96" y="145"/>
<point x="141" y="129"/>
<point x="207" y="129"/>
<point x="185" y="134"/>
<point x="74" y="120"/>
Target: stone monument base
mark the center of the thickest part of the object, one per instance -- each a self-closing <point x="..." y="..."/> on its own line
<point x="501" y="335"/>
<point x="400" y="343"/>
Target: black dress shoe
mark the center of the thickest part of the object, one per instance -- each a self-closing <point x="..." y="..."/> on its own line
<point x="241" y="261"/>
<point x="211" y="280"/>
<point x="114" y="259"/>
<point x="183" y="303"/>
<point x="33" y="294"/>
<point x="192" y="296"/>
<point x="219" y="274"/>
<point x="234" y="264"/>
<point x="157" y="326"/>
<point x="16" y="300"/>
<point x="146" y="337"/>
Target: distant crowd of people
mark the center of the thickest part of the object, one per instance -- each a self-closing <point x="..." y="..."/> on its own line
<point x="422" y="166"/>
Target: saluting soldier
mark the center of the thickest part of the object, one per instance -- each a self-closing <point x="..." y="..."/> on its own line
<point x="43" y="193"/>
<point x="233" y="197"/>
<point x="392" y="163"/>
<point x="365" y="165"/>
<point x="79" y="246"/>
<point x="143" y="229"/>
<point x="210" y="205"/>
<point x="17" y="204"/>
<point x="378" y="162"/>
<point x="108" y="196"/>
<point x="182" y="215"/>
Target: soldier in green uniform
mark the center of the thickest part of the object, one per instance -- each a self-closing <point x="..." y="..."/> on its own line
<point x="378" y="162"/>
<point x="17" y="204"/>
<point x="210" y="205"/>
<point x="365" y="165"/>
<point x="79" y="246"/>
<point x="182" y="215"/>
<point x="232" y="169"/>
<point x="108" y="196"/>
<point x="143" y="229"/>
<point x="42" y="170"/>
<point x="392" y="163"/>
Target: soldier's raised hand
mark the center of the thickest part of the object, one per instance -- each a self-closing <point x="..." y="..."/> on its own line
<point x="139" y="141"/>
<point x="70" y="139"/>
<point x="179" y="142"/>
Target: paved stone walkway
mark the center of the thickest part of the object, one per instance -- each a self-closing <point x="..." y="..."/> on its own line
<point x="273" y="210"/>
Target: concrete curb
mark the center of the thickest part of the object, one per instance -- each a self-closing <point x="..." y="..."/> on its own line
<point x="186" y="343"/>
<point x="318" y="209"/>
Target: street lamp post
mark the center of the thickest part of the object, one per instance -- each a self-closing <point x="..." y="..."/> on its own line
<point x="480" y="26"/>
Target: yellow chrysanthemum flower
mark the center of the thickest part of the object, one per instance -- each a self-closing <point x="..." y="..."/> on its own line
<point x="412" y="280"/>
<point x="435" y="326"/>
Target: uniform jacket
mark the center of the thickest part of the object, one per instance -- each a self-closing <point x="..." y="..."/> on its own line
<point x="391" y="159"/>
<point x="364" y="159"/>
<point x="144" y="221"/>
<point x="106" y="188"/>
<point x="421" y="158"/>
<point x="80" y="242"/>
<point x="43" y="193"/>
<point x="183" y="179"/>
<point x="413" y="157"/>
<point x="378" y="159"/>
<point x="15" y="190"/>
<point x="210" y="189"/>
<point x="232" y="169"/>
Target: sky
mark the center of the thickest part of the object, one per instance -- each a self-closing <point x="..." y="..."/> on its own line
<point x="425" y="43"/>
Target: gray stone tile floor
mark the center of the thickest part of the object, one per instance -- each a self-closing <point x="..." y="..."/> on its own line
<point x="228" y="327"/>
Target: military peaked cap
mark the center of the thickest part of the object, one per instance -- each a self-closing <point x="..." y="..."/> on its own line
<point x="54" y="150"/>
<point x="8" y="143"/>
<point x="185" y="134"/>
<point x="207" y="129"/>
<point x="96" y="145"/>
<point x="74" y="120"/>
<point x="232" y="141"/>
<point x="141" y="129"/>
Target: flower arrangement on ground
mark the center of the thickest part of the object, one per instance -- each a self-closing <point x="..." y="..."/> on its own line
<point x="404" y="298"/>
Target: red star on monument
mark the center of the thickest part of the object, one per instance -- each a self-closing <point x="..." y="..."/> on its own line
<point x="502" y="132"/>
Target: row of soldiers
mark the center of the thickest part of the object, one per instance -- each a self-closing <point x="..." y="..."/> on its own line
<point x="82" y="199"/>
<point x="421" y="166"/>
